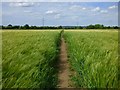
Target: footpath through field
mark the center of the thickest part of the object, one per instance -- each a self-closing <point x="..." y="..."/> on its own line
<point x="63" y="75"/>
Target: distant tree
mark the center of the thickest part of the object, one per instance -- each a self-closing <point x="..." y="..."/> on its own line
<point x="80" y="27"/>
<point x="60" y="27"/>
<point x="98" y="26"/>
<point x="1" y="27"/>
<point x="116" y="27"/>
<point x="16" y="27"/>
<point x="9" y="26"/>
<point x="34" y="27"/>
<point x="26" y="26"/>
<point x="108" y="27"/>
<point x="90" y="27"/>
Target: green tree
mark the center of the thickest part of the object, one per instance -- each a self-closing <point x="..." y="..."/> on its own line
<point x="9" y="26"/>
<point x="26" y="26"/>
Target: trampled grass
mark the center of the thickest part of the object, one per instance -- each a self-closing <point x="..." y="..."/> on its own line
<point x="93" y="58"/>
<point x="28" y="59"/>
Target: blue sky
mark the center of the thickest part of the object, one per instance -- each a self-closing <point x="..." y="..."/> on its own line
<point x="60" y="13"/>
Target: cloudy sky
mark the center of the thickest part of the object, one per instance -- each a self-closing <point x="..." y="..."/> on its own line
<point x="59" y="13"/>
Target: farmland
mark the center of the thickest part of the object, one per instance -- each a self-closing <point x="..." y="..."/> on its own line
<point x="29" y="58"/>
<point x="93" y="58"/>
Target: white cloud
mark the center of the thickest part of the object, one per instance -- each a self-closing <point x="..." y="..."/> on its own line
<point x="50" y="12"/>
<point x="112" y="7"/>
<point x="74" y="7"/>
<point x="96" y="9"/>
<point x="84" y="8"/>
<point x="77" y="7"/>
<point x="103" y="11"/>
<point x="22" y="4"/>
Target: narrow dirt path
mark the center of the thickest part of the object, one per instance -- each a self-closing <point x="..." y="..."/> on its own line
<point x="63" y="75"/>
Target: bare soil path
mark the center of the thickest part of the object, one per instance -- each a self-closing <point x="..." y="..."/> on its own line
<point x="63" y="75"/>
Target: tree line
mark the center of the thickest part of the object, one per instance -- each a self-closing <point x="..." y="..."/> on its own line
<point x="26" y="26"/>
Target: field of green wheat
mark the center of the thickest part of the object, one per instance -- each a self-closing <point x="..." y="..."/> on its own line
<point x="29" y="58"/>
<point x="93" y="58"/>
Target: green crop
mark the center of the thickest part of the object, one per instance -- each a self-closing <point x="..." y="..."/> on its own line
<point x="93" y="58"/>
<point x="28" y="59"/>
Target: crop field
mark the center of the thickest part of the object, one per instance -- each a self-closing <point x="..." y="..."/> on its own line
<point x="93" y="58"/>
<point x="29" y="58"/>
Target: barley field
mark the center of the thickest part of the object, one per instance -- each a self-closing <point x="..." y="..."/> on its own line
<point x="93" y="58"/>
<point x="29" y="58"/>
